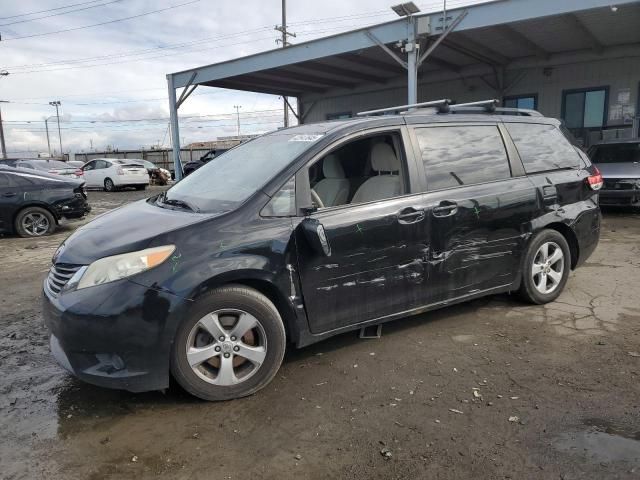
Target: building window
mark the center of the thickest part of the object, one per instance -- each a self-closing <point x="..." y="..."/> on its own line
<point x="338" y="116"/>
<point x="529" y="101"/>
<point x="585" y="108"/>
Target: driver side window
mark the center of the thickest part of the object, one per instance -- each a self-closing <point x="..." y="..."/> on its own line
<point x="363" y="170"/>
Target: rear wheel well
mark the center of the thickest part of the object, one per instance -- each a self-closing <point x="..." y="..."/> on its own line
<point x="43" y="206"/>
<point x="571" y="238"/>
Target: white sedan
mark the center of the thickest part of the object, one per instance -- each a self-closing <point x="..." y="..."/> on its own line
<point x="111" y="174"/>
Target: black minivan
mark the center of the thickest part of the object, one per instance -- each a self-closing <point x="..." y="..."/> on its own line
<point x="314" y="230"/>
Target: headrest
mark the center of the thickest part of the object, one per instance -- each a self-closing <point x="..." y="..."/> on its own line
<point x="383" y="158"/>
<point x="331" y="167"/>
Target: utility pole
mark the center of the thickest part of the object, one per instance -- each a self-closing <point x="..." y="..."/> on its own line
<point x="56" y="103"/>
<point x="285" y="43"/>
<point x="46" y="127"/>
<point x="2" y="145"/>
<point x="238" y="107"/>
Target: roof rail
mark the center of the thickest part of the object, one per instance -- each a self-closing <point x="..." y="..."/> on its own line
<point x="399" y="108"/>
<point x="445" y="106"/>
<point x="487" y="105"/>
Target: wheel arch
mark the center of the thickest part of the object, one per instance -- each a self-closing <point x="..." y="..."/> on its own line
<point x="264" y="283"/>
<point x="571" y="238"/>
<point x="44" y="206"/>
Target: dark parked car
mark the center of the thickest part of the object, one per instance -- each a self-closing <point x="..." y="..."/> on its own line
<point x="32" y="203"/>
<point x="619" y="163"/>
<point x="193" y="165"/>
<point x="51" y="166"/>
<point x="314" y="230"/>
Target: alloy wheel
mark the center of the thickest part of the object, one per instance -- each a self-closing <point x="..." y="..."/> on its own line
<point x="35" y="224"/>
<point x="226" y="347"/>
<point x="548" y="267"/>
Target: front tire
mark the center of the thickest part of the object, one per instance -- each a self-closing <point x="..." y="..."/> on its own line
<point x="109" y="186"/>
<point x="547" y="264"/>
<point x="35" y="222"/>
<point x="231" y="345"/>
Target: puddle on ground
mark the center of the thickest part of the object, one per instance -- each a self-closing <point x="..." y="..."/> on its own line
<point x="602" y="441"/>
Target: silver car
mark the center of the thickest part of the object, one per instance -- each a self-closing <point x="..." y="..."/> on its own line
<point x="619" y="164"/>
<point x="51" y="166"/>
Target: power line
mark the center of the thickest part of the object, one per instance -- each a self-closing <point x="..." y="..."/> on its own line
<point x="57" y="14"/>
<point x="101" y="23"/>
<point x="48" y="10"/>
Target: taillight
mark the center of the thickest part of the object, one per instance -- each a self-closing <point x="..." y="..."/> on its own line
<point x="79" y="173"/>
<point x="595" y="181"/>
<point x="120" y="171"/>
<point x="53" y="171"/>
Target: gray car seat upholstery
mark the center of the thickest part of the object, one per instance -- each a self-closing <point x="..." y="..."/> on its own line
<point x="333" y="189"/>
<point x="386" y="184"/>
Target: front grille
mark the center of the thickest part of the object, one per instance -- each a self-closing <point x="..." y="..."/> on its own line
<point x="619" y="184"/>
<point x="59" y="275"/>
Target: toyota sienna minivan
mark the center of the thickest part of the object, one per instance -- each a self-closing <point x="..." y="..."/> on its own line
<point x="314" y="230"/>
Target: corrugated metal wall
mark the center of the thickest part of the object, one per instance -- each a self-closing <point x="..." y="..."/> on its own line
<point x="617" y="74"/>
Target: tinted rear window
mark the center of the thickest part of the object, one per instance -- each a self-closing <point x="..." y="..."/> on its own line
<point x="455" y="156"/>
<point x="542" y="147"/>
<point x="620" y="153"/>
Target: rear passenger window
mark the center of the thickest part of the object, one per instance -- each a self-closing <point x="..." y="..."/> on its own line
<point x="542" y="147"/>
<point x="464" y="155"/>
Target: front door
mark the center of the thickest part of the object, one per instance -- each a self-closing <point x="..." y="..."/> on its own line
<point x="480" y="213"/>
<point x="90" y="174"/>
<point x="378" y="236"/>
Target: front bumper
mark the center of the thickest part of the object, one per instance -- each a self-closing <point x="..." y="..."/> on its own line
<point x="622" y="198"/>
<point x="116" y="335"/>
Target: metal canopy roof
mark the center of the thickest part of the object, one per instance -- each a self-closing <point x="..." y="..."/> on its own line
<point x="496" y="34"/>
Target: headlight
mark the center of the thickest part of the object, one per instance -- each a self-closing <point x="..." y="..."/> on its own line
<point x="113" y="268"/>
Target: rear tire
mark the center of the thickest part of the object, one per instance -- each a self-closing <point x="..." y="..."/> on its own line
<point x="35" y="222"/>
<point x="109" y="186"/>
<point x="547" y="264"/>
<point x="212" y="363"/>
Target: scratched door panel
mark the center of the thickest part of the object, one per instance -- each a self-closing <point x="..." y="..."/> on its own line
<point x="480" y="246"/>
<point x="376" y="268"/>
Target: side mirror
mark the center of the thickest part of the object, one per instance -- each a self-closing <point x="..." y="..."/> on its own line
<point x="316" y="236"/>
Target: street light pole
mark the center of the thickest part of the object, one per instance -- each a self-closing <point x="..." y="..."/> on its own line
<point x="238" y="107"/>
<point x="56" y="103"/>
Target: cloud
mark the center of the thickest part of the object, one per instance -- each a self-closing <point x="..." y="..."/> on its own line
<point x="88" y="93"/>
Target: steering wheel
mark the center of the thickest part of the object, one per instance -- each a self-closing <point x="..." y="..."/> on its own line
<point x="316" y="199"/>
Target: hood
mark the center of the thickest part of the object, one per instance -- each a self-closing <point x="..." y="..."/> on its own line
<point x="619" y="170"/>
<point x="126" y="229"/>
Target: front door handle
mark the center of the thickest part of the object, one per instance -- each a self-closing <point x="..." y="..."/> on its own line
<point x="9" y="194"/>
<point x="445" y="209"/>
<point x="410" y="215"/>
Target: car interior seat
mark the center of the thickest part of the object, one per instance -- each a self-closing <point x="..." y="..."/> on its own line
<point x="386" y="183"/>
<point x="333" y="189"/>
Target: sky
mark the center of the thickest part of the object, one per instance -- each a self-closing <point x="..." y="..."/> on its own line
<point x="111" y="78"/>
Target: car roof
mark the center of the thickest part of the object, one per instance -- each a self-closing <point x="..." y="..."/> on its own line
<point x="422" y="116"/>
<point x="27" y="172"/>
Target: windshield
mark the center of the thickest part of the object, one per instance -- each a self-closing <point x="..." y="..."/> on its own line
<point x="617" y="153"/>
<point x="232" y="177"/>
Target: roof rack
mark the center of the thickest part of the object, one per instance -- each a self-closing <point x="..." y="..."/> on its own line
<point x="445" y="106"/>
<point x="399" y="108"/>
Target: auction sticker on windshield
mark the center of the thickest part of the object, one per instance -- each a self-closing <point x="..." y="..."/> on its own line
<point x="305" y="138"/>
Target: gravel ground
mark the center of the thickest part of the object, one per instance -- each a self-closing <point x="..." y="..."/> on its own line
<point x="490" y="389"/>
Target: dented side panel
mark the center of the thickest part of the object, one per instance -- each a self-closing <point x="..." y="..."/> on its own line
<point x="377" y="265"/>
<point x="479" y="247"/>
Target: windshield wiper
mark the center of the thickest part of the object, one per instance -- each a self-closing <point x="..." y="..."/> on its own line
<point x="177" y="203"/>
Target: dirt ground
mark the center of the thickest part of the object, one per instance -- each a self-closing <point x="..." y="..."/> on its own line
<point x="490" y="389"/>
